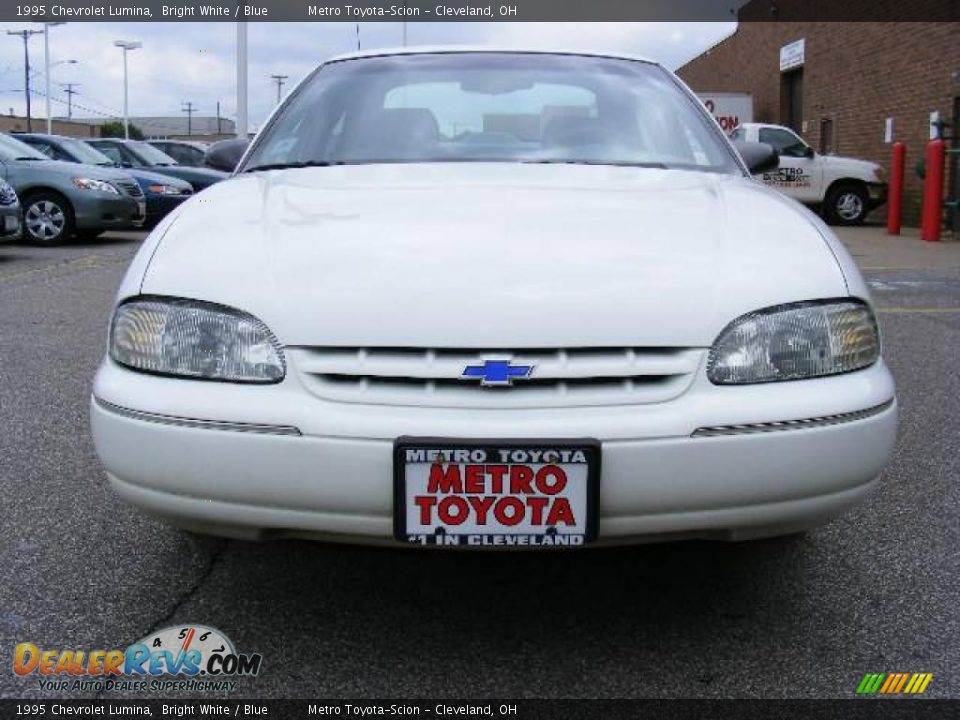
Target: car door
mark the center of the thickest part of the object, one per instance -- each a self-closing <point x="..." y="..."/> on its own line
<point x="799" y="175"/>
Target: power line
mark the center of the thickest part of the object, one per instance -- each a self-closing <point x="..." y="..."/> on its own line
<point x="76" y="105"/>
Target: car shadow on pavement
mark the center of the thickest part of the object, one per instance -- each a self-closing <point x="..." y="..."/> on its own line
<point x="415" y="615"/>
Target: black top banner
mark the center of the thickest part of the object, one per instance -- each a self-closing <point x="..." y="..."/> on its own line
<point x="479" y="10"/>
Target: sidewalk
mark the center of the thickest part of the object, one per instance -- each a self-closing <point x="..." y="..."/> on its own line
<point x="876" y="251"/>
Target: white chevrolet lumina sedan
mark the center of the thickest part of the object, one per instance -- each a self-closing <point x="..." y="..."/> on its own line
<point x="493" y="299"/>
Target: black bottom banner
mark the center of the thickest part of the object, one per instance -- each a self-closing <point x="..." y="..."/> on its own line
<point x="859" y="709"/>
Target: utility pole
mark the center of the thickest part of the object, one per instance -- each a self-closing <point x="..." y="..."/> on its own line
<point x="70" y="92"/>
<point x="218" y="117"/>
<point x="279" y="80"/>
<point x="188" y="108"/>
<point x="25" y="34"/>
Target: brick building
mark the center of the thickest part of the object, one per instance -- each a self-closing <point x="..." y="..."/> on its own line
<point x="15" y="124"/>
<point x="851" y="77"/>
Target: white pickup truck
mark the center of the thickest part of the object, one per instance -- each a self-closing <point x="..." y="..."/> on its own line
<point x="844" y="188"/>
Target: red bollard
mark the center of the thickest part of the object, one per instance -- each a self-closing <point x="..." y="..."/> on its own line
<point x="895" y="200"/>
<point x="932" y="214"/>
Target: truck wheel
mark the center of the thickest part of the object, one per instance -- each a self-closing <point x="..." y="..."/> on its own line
<point x="846" y="205"/>
<point x="47" y="219"/>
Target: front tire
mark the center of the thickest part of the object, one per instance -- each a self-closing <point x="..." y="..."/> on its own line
<point x="47" y="219"/>
<point x="847" y="205"/>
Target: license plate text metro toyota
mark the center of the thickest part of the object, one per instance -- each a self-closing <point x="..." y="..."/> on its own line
<point x="486" y="493"/>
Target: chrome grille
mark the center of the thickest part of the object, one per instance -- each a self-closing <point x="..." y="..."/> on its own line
<point x="562" y="377"/>
<point x="129" y="187"/>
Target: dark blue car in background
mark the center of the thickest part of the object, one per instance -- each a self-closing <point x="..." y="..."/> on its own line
<point x="162" y="192"/>
<point x="141" y="155"/>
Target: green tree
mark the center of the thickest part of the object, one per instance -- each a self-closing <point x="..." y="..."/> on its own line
<point x="114" y="128"/>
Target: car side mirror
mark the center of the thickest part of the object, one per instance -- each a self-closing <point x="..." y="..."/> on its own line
<point x="808" y="152"/>
<point x="126" y="164"/>
<point x="225" y="155"/>
<point x="758" y="157"/>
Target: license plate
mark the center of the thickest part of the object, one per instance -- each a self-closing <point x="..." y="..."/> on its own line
<point x="491" y="493"/>
<point x="11" y="223"/>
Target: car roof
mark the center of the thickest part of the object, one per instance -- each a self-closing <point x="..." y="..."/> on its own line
<point x="454" y="49"/>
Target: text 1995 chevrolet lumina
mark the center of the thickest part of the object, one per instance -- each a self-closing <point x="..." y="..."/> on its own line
<point x="493" y="299"/>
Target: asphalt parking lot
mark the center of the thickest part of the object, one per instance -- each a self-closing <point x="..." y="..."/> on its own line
<point x="877" y="590"/>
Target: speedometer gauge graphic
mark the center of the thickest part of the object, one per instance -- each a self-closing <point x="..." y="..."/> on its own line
<point x="179" y="640"/>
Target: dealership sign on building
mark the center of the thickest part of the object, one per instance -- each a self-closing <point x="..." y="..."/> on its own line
<point x="791" y="55"/>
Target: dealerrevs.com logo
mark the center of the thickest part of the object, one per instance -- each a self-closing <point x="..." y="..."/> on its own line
<point x="178" y="658"/>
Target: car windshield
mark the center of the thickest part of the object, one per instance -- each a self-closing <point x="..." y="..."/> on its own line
<point x="150" y="155"/>
<point x="84" y="153"/>
<point x="13" y="149"/>
<point x="495" y="107"/>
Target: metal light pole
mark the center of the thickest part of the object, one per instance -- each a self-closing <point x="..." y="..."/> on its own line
<point x="127" y="45"/>
<point x="25" y="34"/>
<point x="46" y="68"/>
<point x="241" y="79"/>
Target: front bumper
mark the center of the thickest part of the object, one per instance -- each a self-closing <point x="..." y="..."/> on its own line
<point x="325" y="469"/>
<point x="876" y="195"/>
<point x="159" y="205"/>
<point x="10" y="225"/>
<point x="99" y="211"/>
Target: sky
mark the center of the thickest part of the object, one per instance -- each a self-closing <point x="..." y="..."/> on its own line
<point x="195" y="62"/>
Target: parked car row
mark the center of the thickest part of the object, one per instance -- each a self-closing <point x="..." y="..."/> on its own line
<point x="55" y="188"/>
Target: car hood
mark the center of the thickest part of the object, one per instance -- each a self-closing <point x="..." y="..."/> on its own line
<point x="860" y="168"/>
<point x="493" y="255"/>
<point x="155" y="178"/>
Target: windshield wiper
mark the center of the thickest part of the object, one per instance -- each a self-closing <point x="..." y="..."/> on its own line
<point x="614" y="163"/>
<point x="299" y="164"/>
<point x="31" y="157"/>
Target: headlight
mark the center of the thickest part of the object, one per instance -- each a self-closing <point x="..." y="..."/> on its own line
<point x="165" y="190"/>
<point x="99" y="185"/>
<point x="791" y="342"/>
<point x="879" y="174"/>
<point x="7" y="194"/>
<point x="194" y="339"/>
